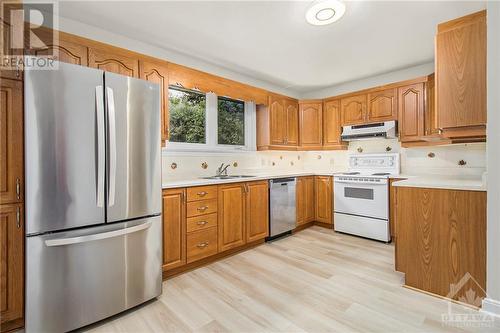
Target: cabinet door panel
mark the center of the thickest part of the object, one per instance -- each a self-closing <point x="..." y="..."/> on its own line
<point x="292" y="128"/>
<point x="174" y="228"/>
<point x="300" y="201"/>
<point x="353" y="110"/>
<point x="278" y="120"/>
<point x="66" y="49"/>
<point x="411" y="112"/>
<point x="231" y="222"/>
<point x="309" y="200"/>
<point x="382" y="105"/>
<point x="257" y="209"/>
<point x="323" y="186"/>
<point x="11" y="267"/>
<point x="311" y="131"/>
<point x="110" y="61"/>
<point x="158" y="73"/>
<point x="11" y="141"/>
<point x="331" y="123"/>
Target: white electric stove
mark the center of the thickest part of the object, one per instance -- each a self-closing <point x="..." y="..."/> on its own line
<point x="361" y="195"/>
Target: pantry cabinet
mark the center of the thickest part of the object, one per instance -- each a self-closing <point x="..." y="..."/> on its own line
<point x="323" y="199"/>
<point x="113" y="60"/>
<point x="232" y="201"/>
<point x="311" y="124"/>
<point x="12" y="267"/>
<point x="157" y="72"/>
<point x="305" y="203"/>
<point x="174" y="228"/>
<point x="461" y="76"/>
<point x="257" y="210"/>
<point x="441" y="240"/>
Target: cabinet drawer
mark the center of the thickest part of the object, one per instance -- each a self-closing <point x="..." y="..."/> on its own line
<point x="201" y="244"/>
<point x="201" y="222"/>
<point x="201" y="193"/>
<point x="201" y="207"/>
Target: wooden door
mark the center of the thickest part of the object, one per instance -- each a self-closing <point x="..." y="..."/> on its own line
<point x="309" y="200"/>
<point x="11" y="266"/>
<point x="311" y="122"/>
<point x="231" y="210"/>
<point x="174" y="228"/>
<point x="323" y="198"/>
<point x="411" y="112"/>
<point x="292" y="127"/>
<point x="300" y="201"/>
<point x="115" y="61"/>
<point x="353" y="110"/>
<point x="331" y="124"/>
<point x="257" y="210"/>
<point x="278" y="121"/>
<point x="11" y="141"/>
<point x="158" y="73"/>
<point x="382" y="105"/>
<point x="461" y="72"/>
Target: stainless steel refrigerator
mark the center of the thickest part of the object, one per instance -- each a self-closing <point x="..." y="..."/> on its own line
<point x="93" y="196"/>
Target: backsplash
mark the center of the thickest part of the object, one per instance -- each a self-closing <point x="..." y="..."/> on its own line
<point x="415" y="161"/>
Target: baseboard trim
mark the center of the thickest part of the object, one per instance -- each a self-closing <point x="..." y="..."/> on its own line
<point x="491" y="306"/>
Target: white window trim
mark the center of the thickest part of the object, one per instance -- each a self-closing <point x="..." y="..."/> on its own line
<point x="211" y="132"/>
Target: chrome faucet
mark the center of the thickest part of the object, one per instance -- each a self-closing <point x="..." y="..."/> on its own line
<point x="222" y="170"/>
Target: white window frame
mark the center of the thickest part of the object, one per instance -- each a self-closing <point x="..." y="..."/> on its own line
<point x="211" y="131"/>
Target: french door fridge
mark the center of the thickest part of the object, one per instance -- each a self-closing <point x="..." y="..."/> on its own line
<point x="93" y="196"/>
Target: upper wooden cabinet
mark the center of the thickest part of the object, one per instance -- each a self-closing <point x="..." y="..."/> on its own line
<point x="278" y="120"/>
<point x="69" y="49"/>
<point x="292" y="122"/>
<point x="311" y="124"/>
<point x="231" y="228"/>
<point x="382" y="105"/>
<point x="257" y="210"/>
<point x="411" y="112"/>
<point x="353" y="110"/>
<point x="324" y="197"/>
<point x="12" y="267"/>
<point x="461" y="76"/>
<point x="113" y="60"/>
<point x="157" y="72"/>
<point x="174" y="228"/>
<point x="331" y="125"/>
<point x="11" y="141"/>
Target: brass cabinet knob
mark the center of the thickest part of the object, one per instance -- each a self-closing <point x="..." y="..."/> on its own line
<point x="201" y="222"/>
<point x="202" y="193"/>
<point x="201" y="209"/>
<point x="202" y="245"/>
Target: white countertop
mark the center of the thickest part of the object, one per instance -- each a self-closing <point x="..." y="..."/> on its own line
<point x="467" y="183"/>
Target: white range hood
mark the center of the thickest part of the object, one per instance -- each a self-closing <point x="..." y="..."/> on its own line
<point x="385" y="130"/>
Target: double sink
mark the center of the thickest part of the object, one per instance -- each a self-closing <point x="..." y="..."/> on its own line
<point x="228" y="177"/>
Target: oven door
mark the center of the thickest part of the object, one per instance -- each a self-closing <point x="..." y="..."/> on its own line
<point x="369" y="199"/>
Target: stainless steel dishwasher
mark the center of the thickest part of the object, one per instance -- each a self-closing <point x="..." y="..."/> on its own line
<point x="282" y="206"/>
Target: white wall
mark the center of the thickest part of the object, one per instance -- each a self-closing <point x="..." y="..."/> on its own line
<point x="492" y="303"/>
<point x="373" y="81"/>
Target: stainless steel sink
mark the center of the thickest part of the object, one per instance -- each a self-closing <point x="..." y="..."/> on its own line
<point x="228" y="177"/>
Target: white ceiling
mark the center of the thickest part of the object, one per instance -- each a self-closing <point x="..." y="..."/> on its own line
<point x="271" y="41"/>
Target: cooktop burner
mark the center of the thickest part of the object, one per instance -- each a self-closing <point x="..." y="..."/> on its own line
<point x="381" y="174"/>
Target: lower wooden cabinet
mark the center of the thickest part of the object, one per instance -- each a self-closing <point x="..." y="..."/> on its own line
<point x="231" y="216"/>
<point x="324" y="199"/>
<point x="305" y="202"/>
<point x="257" y="210"/>
<point x="174" y="228"/>
<point x="441" y="241"/>
<point x="201" y="244"/>
<point x="11" y="267"/>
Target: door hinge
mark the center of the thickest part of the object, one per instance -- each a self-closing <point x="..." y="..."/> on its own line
<point x="18" y="217"/>
<point x="18" y="189"/>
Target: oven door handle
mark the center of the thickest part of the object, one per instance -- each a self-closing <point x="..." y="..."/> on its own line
<point x="360" y="183"/>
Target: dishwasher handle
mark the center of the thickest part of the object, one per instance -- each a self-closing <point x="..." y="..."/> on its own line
<point x="283" y="181"/>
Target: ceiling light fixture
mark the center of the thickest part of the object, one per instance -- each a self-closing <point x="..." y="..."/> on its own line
<point x="324" y="12"/>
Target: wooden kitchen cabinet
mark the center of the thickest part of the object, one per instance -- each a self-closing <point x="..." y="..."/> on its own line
<point x="353" y="110"/>
<point x="332" y="128"/>
<point x="157" y="72"/>
<point x="278" y="124"/>
<point x="292" y="122"/>
<point x="382" y="106"/>
<point x="461" y="76"/>
<point x="257" y="210"/>
<point x="311" y="124"/>
<point x="278" y="121"/>
<point x="11" y="141"/>
<point x="411" y="112"/>
<point x="68" y="48"/>
<point x="174" y="228"/>
<point x="114" y="60"/>
<point x="323" y="199"/>
<point x="231" y="216"/>
<point x="441" y="239"/>
<point x="12" y="267"/>
<point x="305" y="202"/>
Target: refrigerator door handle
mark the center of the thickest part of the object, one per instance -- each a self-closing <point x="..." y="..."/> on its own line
<point x="99" y="236"/>
<point x="112" y="146"/>
<point x="99" y="102"/>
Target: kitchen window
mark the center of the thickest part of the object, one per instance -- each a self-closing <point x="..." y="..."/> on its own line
<point x="206" y="122"/>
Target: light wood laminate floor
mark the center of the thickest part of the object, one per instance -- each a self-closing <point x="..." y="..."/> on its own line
<point x="314" y="281"/>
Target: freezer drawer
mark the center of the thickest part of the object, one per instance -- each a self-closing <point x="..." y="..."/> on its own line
<point x="78" y="277"/>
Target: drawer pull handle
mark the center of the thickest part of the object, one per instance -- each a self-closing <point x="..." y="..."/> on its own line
<point x="202" y="245"/>
<point x="201" y="222"/>
<point x="202" y="193"/>
<point x="202" y="209"/>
